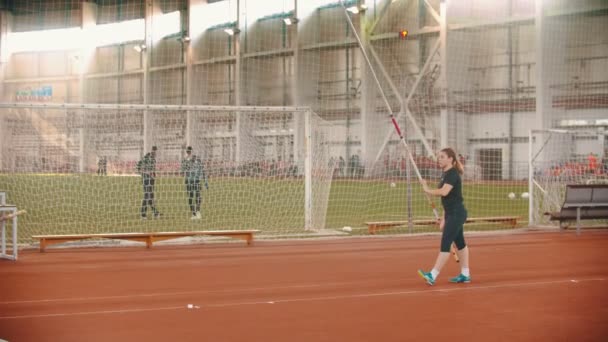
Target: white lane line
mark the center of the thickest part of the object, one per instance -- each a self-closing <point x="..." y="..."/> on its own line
<point x="400" y="293"/>
<point x="182" y="293"/>
<point x="103" y="312"/>
<point x="310" y="299"/>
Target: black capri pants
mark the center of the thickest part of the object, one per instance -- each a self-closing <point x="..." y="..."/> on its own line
<point x="453" y="231"/>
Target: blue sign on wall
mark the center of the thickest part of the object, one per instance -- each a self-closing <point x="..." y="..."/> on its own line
<point x="44" y="93"/>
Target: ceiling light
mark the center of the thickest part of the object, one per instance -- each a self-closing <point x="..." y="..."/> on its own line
<point x="232" y="31"/>
<point x="353" y="9"/>
<point x="139" y="47"/>
<point x="291" y="20"/>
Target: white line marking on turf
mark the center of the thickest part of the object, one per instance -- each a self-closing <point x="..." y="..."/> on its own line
<point x="311" y="299"/>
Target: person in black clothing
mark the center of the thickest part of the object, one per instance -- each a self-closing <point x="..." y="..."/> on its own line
<point x="147" y="168"/>
<point x="102" y="166"/>
<point x="454" y="217"/>
<point x="193" y="172"/>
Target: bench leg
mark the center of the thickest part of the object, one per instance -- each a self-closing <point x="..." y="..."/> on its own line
<point x="371" y="229"/>
<point x="42" y="245"/>
<point x="248" y="237"/>
<point x="578" y="220"/>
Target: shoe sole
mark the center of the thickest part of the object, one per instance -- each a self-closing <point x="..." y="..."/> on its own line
<point x="461" y="282"/>
<point x="424" y="278"/>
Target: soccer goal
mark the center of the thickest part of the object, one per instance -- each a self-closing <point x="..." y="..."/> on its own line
<point x="557" y="158"/>
<point x="74" y="167"/>
<point x="8" y="229"/>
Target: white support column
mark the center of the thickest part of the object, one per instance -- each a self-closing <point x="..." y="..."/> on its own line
<point x="189" y="70"/>
<point x="308" y="172"/>
<point x="237" y="54"/>
<point x="3" y="164"/>
<point x="82" y="152"/>
<point x="241" y="130"/>
<point x="541" y="72"/>
<point x="6" y="21"/>
<point x="149" y="12"/>
<point x="5" y="29"/>
<point x="530" y="182"/>
<point x="296" y="53"/>
<point x="298" y="119"/>
<point x="443" y="81"/>
<point x="89" y="20"/>
<point x="368" y="133"/>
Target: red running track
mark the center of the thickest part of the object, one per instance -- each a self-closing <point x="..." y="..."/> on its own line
<point x="532" y="286"/>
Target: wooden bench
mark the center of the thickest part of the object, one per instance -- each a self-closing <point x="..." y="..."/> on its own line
<point x="582" y="202"/>
<point x="147" y="238"/>
<point x="373" y="227"/>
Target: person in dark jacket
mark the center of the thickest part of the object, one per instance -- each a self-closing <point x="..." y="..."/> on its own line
<point x="193" y="172"/>
<point x="146" y="167"/>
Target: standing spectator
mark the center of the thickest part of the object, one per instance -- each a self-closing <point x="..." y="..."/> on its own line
<point x="192" y="170"/>
<point x="354" y="161"/>
<point x="102" y="166"/>
<point x="147" y="168"/>
<point x="592" y="163"/>
<point x="341" y="165"/>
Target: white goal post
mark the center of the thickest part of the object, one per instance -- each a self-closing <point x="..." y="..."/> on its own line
<point x="268" y="168"/>
<point x="558" y="157"/>
<point x="8" y="219"/>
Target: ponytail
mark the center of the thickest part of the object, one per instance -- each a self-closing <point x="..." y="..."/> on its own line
<point x="456" y="163"/>
<point x="459" y="167"/>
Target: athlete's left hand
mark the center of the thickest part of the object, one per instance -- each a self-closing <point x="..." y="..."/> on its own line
<point x="425" y="187"/>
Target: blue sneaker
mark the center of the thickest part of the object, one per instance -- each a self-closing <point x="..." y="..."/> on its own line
<point x="461" y="279"/>
<point x="427" y="276"/>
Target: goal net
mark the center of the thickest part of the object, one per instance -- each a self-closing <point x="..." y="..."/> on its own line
<point x="558" y="158"/>
<point x="430" y="85"/>
<point x="474" y="75"/>
<point x="74" y="167"/>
